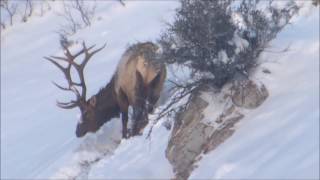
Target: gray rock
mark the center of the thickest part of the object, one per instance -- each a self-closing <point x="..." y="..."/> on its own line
<point x="187" y="138"/>
<point x="248" y="94"/>
<point x="191" y="136"/>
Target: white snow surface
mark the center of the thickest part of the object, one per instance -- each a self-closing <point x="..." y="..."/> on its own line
<point x="38" y="138"/>
<point x="278" y="140"/>
<point x="222" y="56"/>
<point x="240" y="43"/>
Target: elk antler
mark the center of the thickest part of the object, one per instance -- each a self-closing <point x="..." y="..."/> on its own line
<point x="70" y="59"/>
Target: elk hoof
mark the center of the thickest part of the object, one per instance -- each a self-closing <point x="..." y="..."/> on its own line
<point x="150" y="110"/>
<point x="137" y="133"/>
<point x="125" y="135"/>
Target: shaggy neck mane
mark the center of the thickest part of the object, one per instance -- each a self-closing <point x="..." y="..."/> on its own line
<point x="107" y="106"/>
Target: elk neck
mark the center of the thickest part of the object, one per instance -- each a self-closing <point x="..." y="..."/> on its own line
<point x="107" y="106"/>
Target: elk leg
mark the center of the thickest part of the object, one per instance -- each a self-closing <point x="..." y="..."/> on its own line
<point x="124" y="125"/>
<point x="124" y="103"/>
<point x="155" y="88"/>
<point x="139" y="104"/>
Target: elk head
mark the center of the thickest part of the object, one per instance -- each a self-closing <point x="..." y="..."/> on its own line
<point x="88" y="108"/>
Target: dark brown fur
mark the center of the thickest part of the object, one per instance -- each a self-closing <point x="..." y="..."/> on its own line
<point x="138" y="81"/>
<point x="105" y="108"/>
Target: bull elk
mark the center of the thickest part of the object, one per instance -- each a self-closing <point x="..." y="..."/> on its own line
<point x="137" y="82"/>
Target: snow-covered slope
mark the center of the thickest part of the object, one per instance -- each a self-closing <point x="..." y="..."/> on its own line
<point x="280" y="139"/>
<point x="37" y="138"/>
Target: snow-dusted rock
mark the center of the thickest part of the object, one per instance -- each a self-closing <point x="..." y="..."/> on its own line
<point x="203" y="126"/>
<point x="248" y="94"/>
<point x="187" y="138"/>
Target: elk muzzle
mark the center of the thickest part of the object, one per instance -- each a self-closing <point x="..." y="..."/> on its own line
<point x="84" y="127"/>
<point x="81" y="130"/>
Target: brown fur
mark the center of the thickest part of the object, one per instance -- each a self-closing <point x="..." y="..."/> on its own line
<point x="137" y="82"/>
<point x="139" y="58"/>
<point x="102" y="107"/>
<point x="134" y="60"/>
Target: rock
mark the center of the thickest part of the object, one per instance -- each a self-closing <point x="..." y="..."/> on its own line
<point x="248" y="94"/>
<point x="226" y="130"/>
<point x="192" y="135"/>
<point x="187" y="138"/>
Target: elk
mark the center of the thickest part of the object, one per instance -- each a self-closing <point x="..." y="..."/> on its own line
<point x="137" y="82"/>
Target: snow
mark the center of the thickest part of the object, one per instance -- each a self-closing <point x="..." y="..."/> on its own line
<point x="92" y="148"/>
<point x="38" y="138"/>
<point x="223" y="57"/>
<point x="279" y="140"/>
<point x="218" y="103"/>
<point x="238" y="20"/>
<point x="240" y="43"/>
<point x="137" y="158"/>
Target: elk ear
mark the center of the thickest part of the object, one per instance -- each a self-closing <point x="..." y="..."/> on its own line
<point x="93" y="101"/>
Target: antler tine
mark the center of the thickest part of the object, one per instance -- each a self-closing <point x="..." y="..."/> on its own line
<point x="67" y="53"/>
<point x="81" y="67"/>
<point x="60" y="87"/>
<point x="85" y="46"/>
<point x="71" y="104"/>
<point x="55" y="63"/>
<point x="89" y="55"/>
<point x="72" y="57"/>
<point x="68" y="105"/>
<point x="71" y="61"/>
<point x="99" y="49"/>
<point x="67" y="74"/>
<point x="75" y="90"/>
<point x="66" y="71"/>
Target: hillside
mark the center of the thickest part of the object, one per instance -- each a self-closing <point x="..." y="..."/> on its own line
<point x="280" y="139"/>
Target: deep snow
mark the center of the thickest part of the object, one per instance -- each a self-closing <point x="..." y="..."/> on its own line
<point x="280" y="139"/>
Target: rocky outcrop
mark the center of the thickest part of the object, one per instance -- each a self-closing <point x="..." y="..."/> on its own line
<point x="248" y="94"/>
<point x="188" y="137"/>
<point x="208" y="121"/>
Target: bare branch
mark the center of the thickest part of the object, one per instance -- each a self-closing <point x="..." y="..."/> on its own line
<point x="78" y="14"/>
<point x="180" y="92"/>
<point x="28" y="10"/>
<point x="10" y="7"/>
